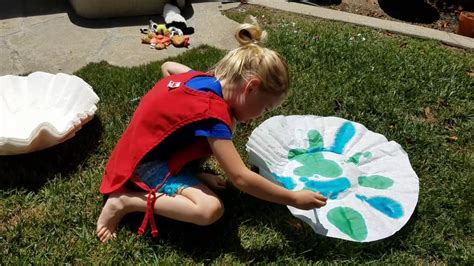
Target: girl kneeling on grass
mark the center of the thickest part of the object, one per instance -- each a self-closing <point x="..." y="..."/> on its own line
<point x="189" y="115"/>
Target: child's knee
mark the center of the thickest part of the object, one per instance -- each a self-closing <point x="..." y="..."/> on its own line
<point x="210" y="212"/>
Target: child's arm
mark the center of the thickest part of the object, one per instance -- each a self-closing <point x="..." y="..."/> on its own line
<point x="256" y="185"/>
<point x="171" y="68"/>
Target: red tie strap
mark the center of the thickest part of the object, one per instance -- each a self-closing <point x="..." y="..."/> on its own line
<point x="150" y="203"/>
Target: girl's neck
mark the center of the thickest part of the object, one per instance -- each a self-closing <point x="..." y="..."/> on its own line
<point x="226" y="91"/>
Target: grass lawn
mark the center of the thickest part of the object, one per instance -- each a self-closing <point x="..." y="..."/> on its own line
<point x="415" y="92"/>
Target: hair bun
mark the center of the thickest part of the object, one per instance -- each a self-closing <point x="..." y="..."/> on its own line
<point x="250" y="32"/>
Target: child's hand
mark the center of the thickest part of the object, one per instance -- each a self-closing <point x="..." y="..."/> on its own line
<point x="213" y="181"/>
<point x="306" y="200"/>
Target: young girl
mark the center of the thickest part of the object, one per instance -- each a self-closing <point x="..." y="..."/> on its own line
<point x="189" y="115"/>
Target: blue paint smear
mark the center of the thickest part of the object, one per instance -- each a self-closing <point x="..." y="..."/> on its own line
<point x="343" y="136"/>
<point x="329" y="189"/>
<point x="317" y="149"/>
<point x="285" y="181"/>
<point x="385" y="205"/>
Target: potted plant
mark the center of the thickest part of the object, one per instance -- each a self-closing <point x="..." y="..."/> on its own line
<point x="466" y="24"/>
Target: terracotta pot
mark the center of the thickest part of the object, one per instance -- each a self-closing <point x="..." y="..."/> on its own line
<point x="466" y="24"/>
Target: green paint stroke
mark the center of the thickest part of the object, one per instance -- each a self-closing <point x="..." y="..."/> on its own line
<point x="349" y="221"/>
<point x="355" y="159"/>
<point x="315" y="139"/>
<point x="294" y="153"/>
<point x="322" y="167"/>
<point x="375" y="181"/>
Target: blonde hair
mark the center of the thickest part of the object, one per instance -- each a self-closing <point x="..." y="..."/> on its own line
<point x="251" y="60"/>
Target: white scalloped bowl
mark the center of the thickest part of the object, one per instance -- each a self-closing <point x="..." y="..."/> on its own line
<point x="41" y="110"/>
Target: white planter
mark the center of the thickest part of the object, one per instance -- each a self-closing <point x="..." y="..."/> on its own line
<point x="116" y="8"/>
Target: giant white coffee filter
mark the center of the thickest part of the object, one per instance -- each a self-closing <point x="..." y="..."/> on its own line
<point x="41" y="110"/>
<point x="371" y="187"/>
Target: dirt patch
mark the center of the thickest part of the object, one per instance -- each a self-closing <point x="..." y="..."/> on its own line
<point x="426" y="13"/>
<point x="35" y="213"/>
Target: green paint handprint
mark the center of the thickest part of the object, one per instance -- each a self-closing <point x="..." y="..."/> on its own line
<point x="313" y="160"/>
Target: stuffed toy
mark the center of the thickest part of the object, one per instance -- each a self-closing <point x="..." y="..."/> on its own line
<point x="148" y="37"/>
<point x="173" y="18"/>
<point x="157" y="41"/>
<point x="155" y="28"/>
<point x="160" y="28"/>
<point x="180" y="41"/>
<point x="175" y="31"/>
<point x="160" y="36"/>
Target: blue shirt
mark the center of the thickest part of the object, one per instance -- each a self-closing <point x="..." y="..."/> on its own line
<point x="210" y="128"/>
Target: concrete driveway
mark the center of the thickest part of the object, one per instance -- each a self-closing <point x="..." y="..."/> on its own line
<point x="46" y="35"/>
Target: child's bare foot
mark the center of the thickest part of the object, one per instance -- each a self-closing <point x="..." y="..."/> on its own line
<point x="110" y="217"/>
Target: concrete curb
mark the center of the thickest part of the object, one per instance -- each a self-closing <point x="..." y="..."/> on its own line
<point x="392" y="26"/>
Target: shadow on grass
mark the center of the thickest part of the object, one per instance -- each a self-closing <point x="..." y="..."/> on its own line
<point x="207" y="243"/>
<point x="31" y="171"/>
<point x="316" y="247"/>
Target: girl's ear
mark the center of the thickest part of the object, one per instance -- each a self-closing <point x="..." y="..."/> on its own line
<point x="252" y="85"/>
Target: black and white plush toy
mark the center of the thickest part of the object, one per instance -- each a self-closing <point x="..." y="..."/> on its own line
<point x="173" y="18"/>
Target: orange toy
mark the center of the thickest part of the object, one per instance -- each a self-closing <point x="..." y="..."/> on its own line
<point x="180" y="41"/>
<point x="157" y="41"/>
